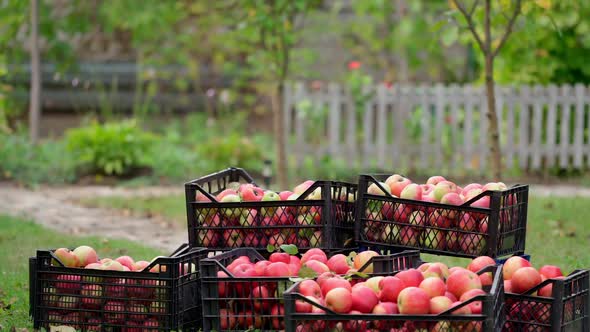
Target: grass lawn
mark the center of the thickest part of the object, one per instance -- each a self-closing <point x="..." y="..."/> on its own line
<point x="172" y="208"/>
<point x="558" y="231"/>
<point x="19" y="240"/>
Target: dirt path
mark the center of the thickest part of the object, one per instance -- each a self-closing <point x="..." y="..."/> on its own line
<point x="53" y="208"/>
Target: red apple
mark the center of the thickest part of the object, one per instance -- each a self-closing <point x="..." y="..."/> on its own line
<point x="339" y="264"/>
<point x="451" y="198"/>
<point x="390" y="287"/>
<point x="314" y="252"/>
<point x="67" y="257"/>
<point x="114" y="311"/>
<point x="339" y="300"/>
<point x="226" y="192"/>
<point x="126" y="261"/>
<point x="137" y="311"/>
<point x="396" y="184"/>
<point x="325" y="276"/>
<point x="476" y="306"/>
<point x="280" y="257"/>
<point x="309" y="287"/>
<point x="260" y="296"/>
<point x="547" y="290"/>
<point x="461" y="311"/>
<point x="473" y="243"/>
<point x="374" y="284"/>
<point x="451" y="296"/>
<point x="442" y="188"/>
<point x="278" y="320"/>
<point x="411" y="191"/>
<point x="363" y="299"/>
<point x="284" y="195"/>
<point x="373" y="189"/>
<point x="355" y="325"/>
<point x="332" y="283"/>
<point x="480" y="262"/>
<point x="278" y="269"/>
<point x="434" y="180"/>
<point x="443" y="268"/>
<point x="433" y="286"/>
<point x="318" y="267"/>
<point x="550" y="271"/>
<point x="68" y="284"/>
<point x="438" y="218"/>
<point x="227" y="319"/>
<point x="512" y="264"/>
<point x="418" y="218"/>
<point x="413" y="301"/>
<point x="86" y="255"/>
<point x="433" y="271"/>
<point x="91" y="296"/>
<point x="140" y="265"/>
<point x="440" y="304"/>
<point x="524" y="279"/>
<point x="250" y="193"/>
<point x="362" y="258"/>
<point x="461" y="281"/>
<point x="468" y="223"/>
<point x="410" y="277"/>
<point x="486" y="279"/>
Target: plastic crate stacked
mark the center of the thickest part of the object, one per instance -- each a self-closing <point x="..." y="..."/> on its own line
<point x="385" y="221"/>
<point x="311" y="220"/>
<point x="165" y="295"/>
<point x="389" y="223"/>
<point x="491" y="319"/>
<point x="235" y="303"/>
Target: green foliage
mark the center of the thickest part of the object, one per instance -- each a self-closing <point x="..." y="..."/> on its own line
<point x="112" y="148"/>
<point x="47" y="162"/>
<point x="232" y="150"/>
<point x="378" y="34"/>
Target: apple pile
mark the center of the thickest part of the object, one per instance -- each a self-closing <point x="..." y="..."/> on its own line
<point x="237" y="223"/>
<point x="432" y="288"/>
<point x="257" y="303"/>
<point x="519" y="278"/>
<point x="79" y="298"/>
<point x="418" y="225"/>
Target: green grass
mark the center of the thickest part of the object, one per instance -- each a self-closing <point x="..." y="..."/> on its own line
<point x="171" y="208"/>
<point x="557" y="229"/>
<point x="19" y="240"/>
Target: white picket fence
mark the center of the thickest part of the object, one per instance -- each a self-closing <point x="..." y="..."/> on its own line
<point x="439" y="127"/>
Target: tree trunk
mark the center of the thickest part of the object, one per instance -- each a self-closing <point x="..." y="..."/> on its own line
<point x="495" y="154"/>
<point x="35" y="102"/>
<point x="278" y="126"/>
<point x="494" y="135"/>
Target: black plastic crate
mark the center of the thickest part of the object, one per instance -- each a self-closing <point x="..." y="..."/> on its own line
<point x="463" y="231"/>
<point x="568" y="310"/>
<point x="491" y="319"/>
<point x="302" y="222"/>
<point x="230" y="305"/>
<point x="98" y="300"/>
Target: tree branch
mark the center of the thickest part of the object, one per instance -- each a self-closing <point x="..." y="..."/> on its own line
<point x="470" y="23"/>
<point x="508" y="28"/>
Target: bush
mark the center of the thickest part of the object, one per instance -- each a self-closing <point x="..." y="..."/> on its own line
<point x="232" y="150"/>
<point x="47" y="162"/>
<point x="111" y="149"/>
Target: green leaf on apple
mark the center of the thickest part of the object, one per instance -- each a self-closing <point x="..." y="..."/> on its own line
<point x="290" y="249"/>
<point x="307" y="273"/>
<point x="270" y="248"/>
